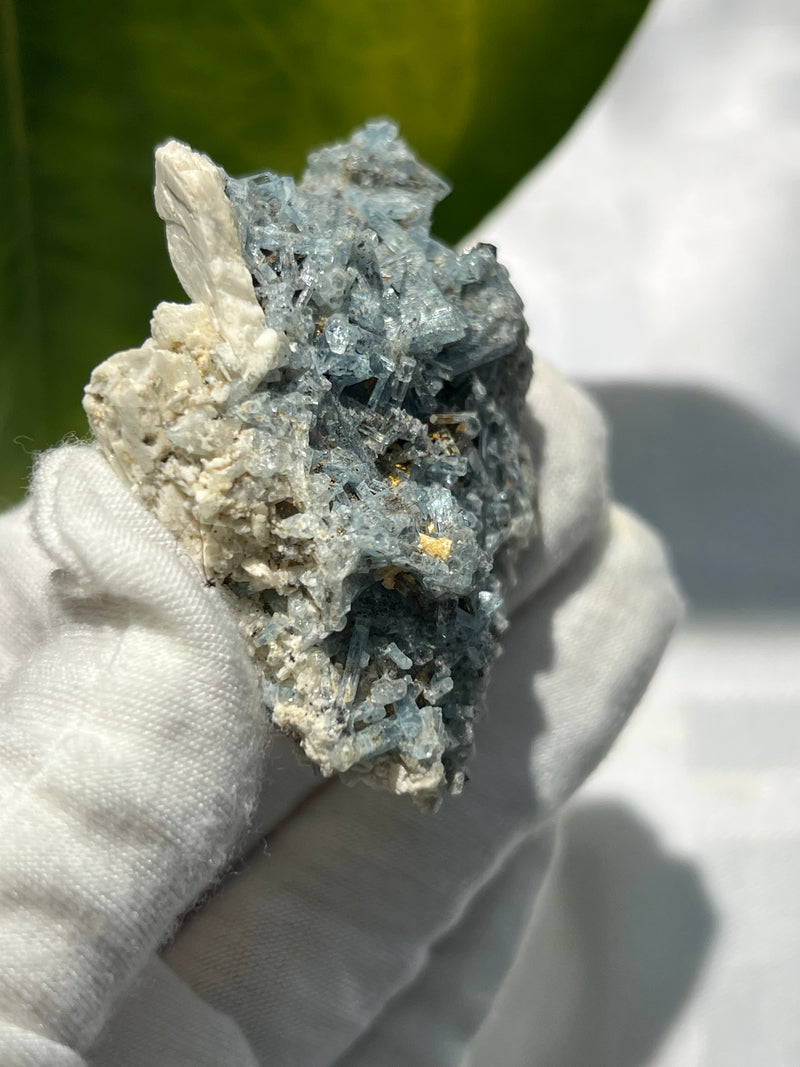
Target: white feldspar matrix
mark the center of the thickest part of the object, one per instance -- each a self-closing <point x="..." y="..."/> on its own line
<point x="331" y="429"/>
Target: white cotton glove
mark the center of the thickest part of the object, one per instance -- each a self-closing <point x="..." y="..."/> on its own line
<point x="131" y="741"/>
<point x="363" y="932"/>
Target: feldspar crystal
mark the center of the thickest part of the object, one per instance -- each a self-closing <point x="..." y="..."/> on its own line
<point x="331" y="430"/>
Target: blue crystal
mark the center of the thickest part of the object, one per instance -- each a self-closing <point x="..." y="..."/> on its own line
<point x="403" y="371"/>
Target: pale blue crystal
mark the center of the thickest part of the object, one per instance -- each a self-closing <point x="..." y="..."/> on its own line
<point x="404" y="365"/>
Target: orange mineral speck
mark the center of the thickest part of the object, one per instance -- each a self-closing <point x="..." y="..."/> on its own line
<point x="438" y="547"/>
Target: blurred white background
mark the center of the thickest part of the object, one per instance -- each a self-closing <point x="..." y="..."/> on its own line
<point x="657" y="252"/>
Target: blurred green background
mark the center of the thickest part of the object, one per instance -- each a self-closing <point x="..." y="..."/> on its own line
<point x="481" y="90"/>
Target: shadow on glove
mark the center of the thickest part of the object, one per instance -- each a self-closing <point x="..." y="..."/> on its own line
<point x="621" y="934"/>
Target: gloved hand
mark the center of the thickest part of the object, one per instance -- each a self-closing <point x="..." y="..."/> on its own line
<point x="132" y="769"/>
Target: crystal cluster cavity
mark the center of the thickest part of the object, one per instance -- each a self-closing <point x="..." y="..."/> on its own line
<point x="331" y="429"/>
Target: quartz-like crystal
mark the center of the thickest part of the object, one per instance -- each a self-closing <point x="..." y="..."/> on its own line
<point x="331" y="430"/>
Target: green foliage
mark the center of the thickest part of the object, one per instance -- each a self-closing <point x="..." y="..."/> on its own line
<point x="482" y="90"/>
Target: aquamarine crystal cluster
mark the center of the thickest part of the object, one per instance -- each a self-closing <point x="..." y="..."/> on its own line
<point x="384" y="441"/>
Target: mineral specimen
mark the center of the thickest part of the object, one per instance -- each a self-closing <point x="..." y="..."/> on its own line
<point x="331" y="430"/>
